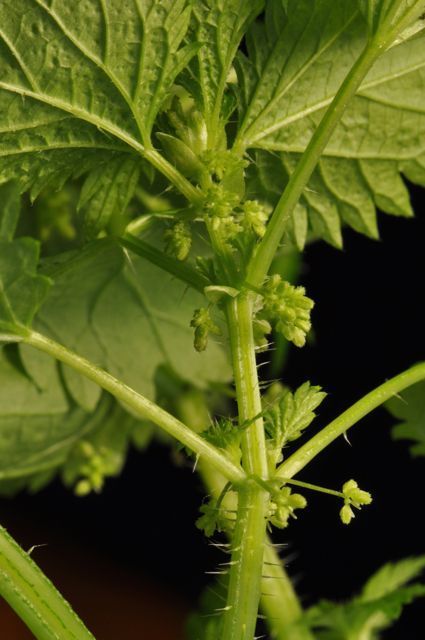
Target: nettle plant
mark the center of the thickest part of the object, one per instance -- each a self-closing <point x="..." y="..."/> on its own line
<point x="178" y="156"/>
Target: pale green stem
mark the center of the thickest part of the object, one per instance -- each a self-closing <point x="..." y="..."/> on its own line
<point x="33" y="597"/>
<point x="249" y="534"/>
<point x="181" y="183"/>
<point x="140" y="405"/>
<point x="266" y="250"/>
<point x="350" y="417"/>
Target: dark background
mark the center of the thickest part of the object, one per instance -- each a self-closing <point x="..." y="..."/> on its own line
<point x="131" y="561"/>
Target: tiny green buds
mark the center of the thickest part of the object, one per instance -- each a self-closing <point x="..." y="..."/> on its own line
<point x="225" y="435"/>
<point x="203" y="325"/>
<point x="283" y="505"/>
<point x="261" y="328"/>
<point x="178" y="239"/>
<point x="289" y="307"/>
<point x="214" y="517"/>
<point x="255" y="217"/>
<point x="353" y="496"/>
<point x="346" y="514"/>
<point x="219" y="209"/>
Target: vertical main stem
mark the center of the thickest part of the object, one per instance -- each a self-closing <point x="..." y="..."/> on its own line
<point x="250" y="527"/>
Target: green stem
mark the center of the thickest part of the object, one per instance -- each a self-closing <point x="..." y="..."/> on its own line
<point x="250" y="527"/>
<point x="141" y="405"/>
<point x="279" y="602"/>
<point x="350" y="417"/>
<point x="262" y="259"/>
<point x="313" y="487"/>
<point x="268" y="486"/>
<point x="176" y="268"/>
<point x="181" y="183"/>
<point x="33" y="597"/>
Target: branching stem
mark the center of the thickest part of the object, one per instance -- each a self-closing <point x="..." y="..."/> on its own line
<point x="141" y="405"/>
<point x="350" y="417"/>
<point x="262" y="259"/>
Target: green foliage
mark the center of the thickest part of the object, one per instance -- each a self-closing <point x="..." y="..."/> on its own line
<point x="212" y="519"/>
<point x="379" y="604"/>
<point x="87" y="89"/>
<point x="283" y="95"/>
<point x="10" y="210"/>
<point x="410" y="410"/>
<point x="288" y="415"/>
<point x="22" y="290"/>
<point x="46" y="408"/>
<point x="218" y="26"/>
<point x="386" y="15"/>
<point x="73" y="98"/>
<point x="107" y="191"/>
<point x="224" y="434"/>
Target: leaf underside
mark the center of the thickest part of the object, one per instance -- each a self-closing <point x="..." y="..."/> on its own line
<point x="47" y="407"/>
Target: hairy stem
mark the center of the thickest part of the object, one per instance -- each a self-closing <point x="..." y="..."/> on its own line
<point x="350" y="417"/>
<point x="250" y="526"/>
<point x="262" y="259"/>
<point x="141" y="405"/>
<point x="31" y="594"/>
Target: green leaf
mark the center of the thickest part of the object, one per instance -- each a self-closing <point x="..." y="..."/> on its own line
<point x="97" y="289"/>
<point x="387" y="15"/>
<point x="218" y="27"/>
<point x="107" y="191"/>
<point x="293" y="412"/>
<point x="32" y="443"/>
<point x="361" y="621"/>
<point x="410" y="410"/>
<point x="295" y="64"/>
<point x="10" y="210"/>
<point x="22" y="290"/>
<point x="82" y="81"/>
<point x="391" y="577"/>
<point x="379" y="604"/>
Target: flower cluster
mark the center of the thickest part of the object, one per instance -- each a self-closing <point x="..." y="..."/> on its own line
<point x="231" y="217"/>
<point x="289" y="307"/>
<point x="282" y="506"/>
<point x="203" y="325"/>
<point x="178" y="240"/>
<point x="353" y="497"/>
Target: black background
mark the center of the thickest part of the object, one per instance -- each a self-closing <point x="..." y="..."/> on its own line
<point x="138" y="536"/>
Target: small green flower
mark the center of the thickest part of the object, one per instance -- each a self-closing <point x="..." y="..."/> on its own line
<point x="255" y="217"/>
<point x="203" y="325"/>
<point x="178" y="240"/>
<point x="283" y="505"/>
<point x="289" y="307"/>
<point x="346" y="514"/>
<point x="353" y="496"/>
<point x="212" y="518"/>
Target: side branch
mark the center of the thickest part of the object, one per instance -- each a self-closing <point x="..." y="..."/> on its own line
<point x="262" y="258"/>
<point x="350" y="417"/>
<point x="141" y="405"/>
